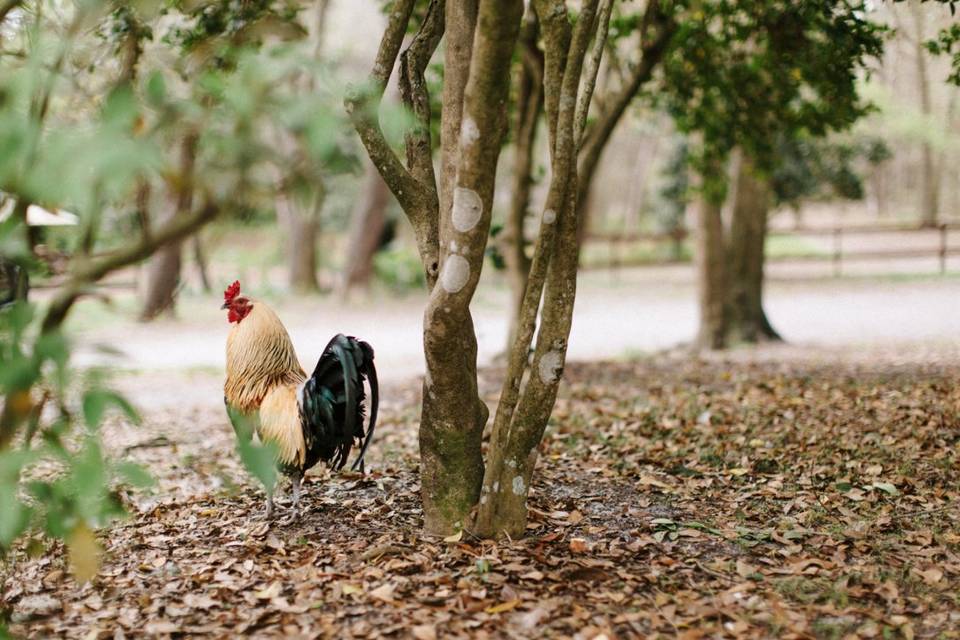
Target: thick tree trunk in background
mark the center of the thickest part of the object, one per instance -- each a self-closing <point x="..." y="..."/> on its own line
<point x="303" y="253"/>
<point x="163" y="279"/>
<point x="302" y="220"/>
<point x="369" y="220"/>
<point x="747" y="320"/>
<point x="930" y="196"/>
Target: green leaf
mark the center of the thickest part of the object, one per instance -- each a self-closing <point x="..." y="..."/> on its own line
<point x="886" y="487"/>
<point x="14" y="515"/>
<point x="97" y="401"/>
<point x="260" y="461"/>
<point x="134" y="474"/>
<point x="156" y="89"/>
<point x="121" y="109"/>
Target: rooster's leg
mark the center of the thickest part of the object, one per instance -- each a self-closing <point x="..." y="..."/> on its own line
<point x="295" y="507"/>
<point x="269" y="512"/>
<point x="297" y="479"/>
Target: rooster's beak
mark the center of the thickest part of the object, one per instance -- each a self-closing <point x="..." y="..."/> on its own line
<point x="226" y="305"/>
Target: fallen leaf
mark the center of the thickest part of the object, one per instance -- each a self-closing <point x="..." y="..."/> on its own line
<point x="503" y="606"/>
<point x="578" y="545"/>
<point x="384" y="592"/>
<point x="424" y="632"/>
<point x="269" y="592"/>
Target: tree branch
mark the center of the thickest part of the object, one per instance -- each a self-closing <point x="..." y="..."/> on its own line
<point x="90" y="272"/>
<point x="413" y="91"/>
<point x="461" y="27"/>
<point x="657" y="31"/>
<point x="555" y="26"/>
<point x="363" y="107"/>
<point x="529" y="105"/>
<point x="593" y="67"/>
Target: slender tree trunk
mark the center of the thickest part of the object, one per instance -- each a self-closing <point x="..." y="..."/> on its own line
<point x="522" y="414"/>
<point x="747" y="320"/>
<point x="930" y="197"/>
<point x="711" y="264"/>
<point x="368" y="223"/>
<point x="528" y="109"/>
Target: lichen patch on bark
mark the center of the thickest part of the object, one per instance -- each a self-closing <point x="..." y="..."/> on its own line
<point x="550" y="365"/>
<point x="469" y="132"/>
<point x="467" y="209"/>
<point x="456" y="272"/>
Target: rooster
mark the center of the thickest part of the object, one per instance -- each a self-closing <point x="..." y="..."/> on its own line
<point x="306" y="419"/>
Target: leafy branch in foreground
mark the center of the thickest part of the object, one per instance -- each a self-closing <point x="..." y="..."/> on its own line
<point x="133" y="142"/>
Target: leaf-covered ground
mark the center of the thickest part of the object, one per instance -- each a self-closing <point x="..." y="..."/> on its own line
<point x="675" y="497"/>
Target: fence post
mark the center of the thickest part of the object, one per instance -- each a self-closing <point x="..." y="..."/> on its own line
<point x="943" y="248"/>
<point x="837" y="250"/>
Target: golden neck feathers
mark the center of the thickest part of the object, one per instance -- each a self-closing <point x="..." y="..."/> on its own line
<point x="260" y="356"/>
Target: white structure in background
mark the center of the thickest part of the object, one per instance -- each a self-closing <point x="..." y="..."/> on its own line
<point x="37" y="216"/>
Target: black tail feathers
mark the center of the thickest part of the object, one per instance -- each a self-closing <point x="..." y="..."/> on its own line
<point x="339" y="376"/>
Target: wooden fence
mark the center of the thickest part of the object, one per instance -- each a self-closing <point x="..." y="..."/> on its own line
<point x="618" y="244"/>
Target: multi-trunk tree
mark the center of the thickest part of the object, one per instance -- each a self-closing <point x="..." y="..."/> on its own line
<point x="450" y="214"/>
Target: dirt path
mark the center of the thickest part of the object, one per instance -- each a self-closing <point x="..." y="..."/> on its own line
<point x="639" y="311"/>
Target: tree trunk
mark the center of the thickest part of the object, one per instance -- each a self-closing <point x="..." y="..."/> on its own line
<point x="452" y="225"/>
<point x="528" y="109"/>
<point x="711" y="263"/>
<point x="200" y="258"/>
<point x="522" y="415"/>
<point x="163" y="270"/>
<point x="747" y="320"/>
<point x="303" y="224"/>
<point x="163" y="279"/>
<point x="930" y="197"/>
<point x="366" y="231"/>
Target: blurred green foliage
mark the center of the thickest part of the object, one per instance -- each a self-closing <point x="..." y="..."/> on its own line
<point x="747" y="73"/>
<point x="399" y="268"/>
<point x="54" y="476"/>
<point x="810" y="168"/>
<point x="108" y="143"/>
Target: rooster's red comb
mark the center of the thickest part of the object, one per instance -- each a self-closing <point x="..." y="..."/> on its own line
<point x="232" y="291"/>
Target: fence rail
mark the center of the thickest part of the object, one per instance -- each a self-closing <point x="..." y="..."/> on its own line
<point x="837" y="254"/>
